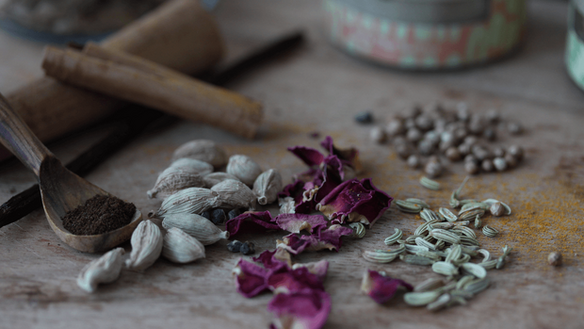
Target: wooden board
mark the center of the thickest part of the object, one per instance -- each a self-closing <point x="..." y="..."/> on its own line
<point x="320" y="89"/>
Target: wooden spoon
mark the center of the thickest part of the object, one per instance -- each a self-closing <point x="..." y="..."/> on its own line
<point x="61" y="190"/>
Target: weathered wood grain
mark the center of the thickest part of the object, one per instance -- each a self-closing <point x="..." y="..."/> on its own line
<point x="320" y="89"/>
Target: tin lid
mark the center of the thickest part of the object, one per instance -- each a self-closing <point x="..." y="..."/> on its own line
<point x="425" y="11"/>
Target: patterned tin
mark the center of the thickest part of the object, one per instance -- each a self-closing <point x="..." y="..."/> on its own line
<point x="575" y="43"/>
<point x="426" y="34"/>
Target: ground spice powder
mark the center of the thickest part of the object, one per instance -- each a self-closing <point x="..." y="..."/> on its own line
<point x="98" y="215"/>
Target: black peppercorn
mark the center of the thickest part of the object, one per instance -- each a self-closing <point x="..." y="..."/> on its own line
<point x="365" y="117"/>
<point x="247" y="248"/>
<point x="233" y="213"/>
<point x="234" y="246"/>
<point x="218" y="216"/>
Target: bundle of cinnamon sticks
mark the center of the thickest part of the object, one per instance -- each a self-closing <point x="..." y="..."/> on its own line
<point x="180" y="35"/>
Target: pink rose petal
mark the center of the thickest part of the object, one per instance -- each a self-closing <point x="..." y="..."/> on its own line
<point x="262" y="220"/>
<point x="355" y="201"/>
<point x="319" y="268"/>
<point x="294" y="280"/>
<point x="274" y="259"/>
<point x="308" y="155"/>
<point x="306" y="309"/>
<point x="250" y="278"/>
<point x="325" y="239"/>
<point x="382" y="288"/>
<point x="297" y="222"/>
<point x="349" y="156"/>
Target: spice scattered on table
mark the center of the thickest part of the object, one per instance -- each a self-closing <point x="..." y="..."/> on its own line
<point x="447" y="244"/>
<point x="146" y="246"/>
<point x="435" y="136"/>
<point x="105" y="269"/>
<point x="98" y="215"/>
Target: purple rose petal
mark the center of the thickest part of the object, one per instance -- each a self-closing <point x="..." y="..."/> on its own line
<point x="262" y="220"/>
<point x="250" y="278"/>
<point x="274" y="259"/>
<point x="382" y="288"/>
<point x="306" y="309"/>
<point x="319" y="268"/>
<point x="355" y="201"/>
<point x="348" y="156"/>
<point x="325" y="239"/>
<point x="374" y="209"/>
<point x="296" y="190"/>
<point x="308" y="155"/>
<point x="296" y="222"/>
<point x="294" y="280"/>
<point x="294" y="243"/>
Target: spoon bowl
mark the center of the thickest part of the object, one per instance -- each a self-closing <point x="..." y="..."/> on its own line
<point x="61" y="190"/>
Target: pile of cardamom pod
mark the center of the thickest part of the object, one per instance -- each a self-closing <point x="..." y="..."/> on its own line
<point x="195" y="200"/>
<point x="447" y="244"/>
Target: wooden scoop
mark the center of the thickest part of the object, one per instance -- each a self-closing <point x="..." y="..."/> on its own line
<point x="61" y="190"/>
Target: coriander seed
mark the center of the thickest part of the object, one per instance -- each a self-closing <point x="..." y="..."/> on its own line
<point x="514" y="128"/>
<point x="511" y="161"/>
<point x="516" y="151"/>
<point x="464" y="149"/>
<point x="500" y="164"/>
<point x="555" y="258"/>
<point x="395" y="127"/>
<point x="414" y="161"/>
<point x="489" y="134"/>
<point x="424" y="122"/>
<point x="453" y="154"/>
<point x="426" y="147"/>
<point x="403" y="150"/>
<point x="413" y="135"/>
<point x="498" y="152"/>
<point x="377" y="135"/>
<point x="497" y="209"/>
<point x="471" y="167"/>
<point x="433" y="168"/>
<point x="487" y="165"/>
<point x="492" y="116"/>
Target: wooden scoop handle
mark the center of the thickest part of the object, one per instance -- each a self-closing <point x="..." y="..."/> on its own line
<point x="19" y="139"/>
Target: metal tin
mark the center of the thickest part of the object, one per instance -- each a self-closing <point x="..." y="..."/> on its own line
<point x="13" y="27"/>
<point x="575" y="42"/>
<point x="426" y="34"/>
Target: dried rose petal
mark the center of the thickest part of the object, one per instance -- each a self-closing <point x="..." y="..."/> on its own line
<point x="355" y="201"/>
<point x="297" y="222"/>
<point x="319" y="268"/>
<point x="274" y="259"/>
<point x="250" y="278"/>
<point x="294" y="280"/>
<point x="296" y="190"/>
<point x="348" y="156"/>
<point x="325" y="239"/>
<point x="262" y="219"/>
<point x="306" y="309"/>
<point x="381" y="288"/>
<point x="308" y="155"/>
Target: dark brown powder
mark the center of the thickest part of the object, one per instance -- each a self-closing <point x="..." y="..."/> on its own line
<point x="98" y="215"/>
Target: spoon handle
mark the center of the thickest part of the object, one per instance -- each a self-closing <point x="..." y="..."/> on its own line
<point x="19" y="139"/>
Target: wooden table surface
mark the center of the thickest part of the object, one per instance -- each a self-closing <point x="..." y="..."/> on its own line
<point x="320" y="89"/>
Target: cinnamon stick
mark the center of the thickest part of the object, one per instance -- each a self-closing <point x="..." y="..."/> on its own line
<point x="179" y="34"/>
<point x="153" y="85"/>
